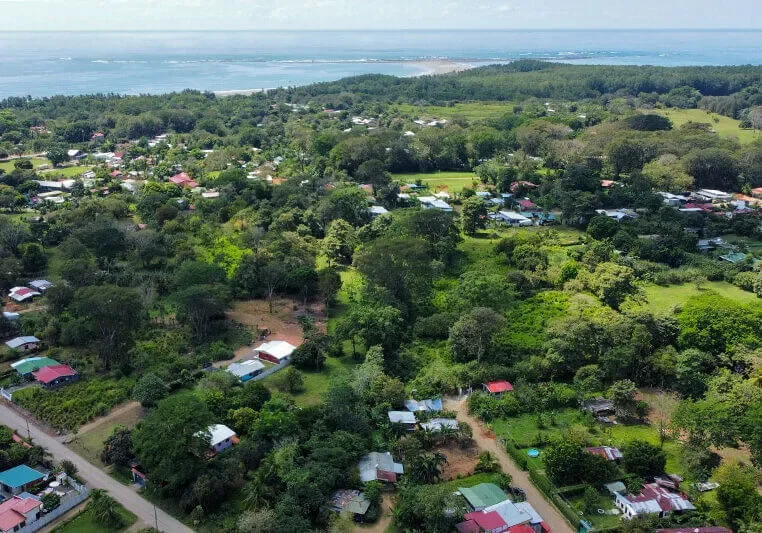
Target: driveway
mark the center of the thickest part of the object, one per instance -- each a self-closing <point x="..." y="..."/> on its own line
<point x="95" y="477"/>
<point x="485" y="441"/>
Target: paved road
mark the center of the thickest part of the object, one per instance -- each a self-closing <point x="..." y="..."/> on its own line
<point x="94" y="476"/>
<point x="550" y="514"/>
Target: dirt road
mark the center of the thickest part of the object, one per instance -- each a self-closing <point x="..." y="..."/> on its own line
<point x="487" y="442"/>
<point x="95" y="477"/>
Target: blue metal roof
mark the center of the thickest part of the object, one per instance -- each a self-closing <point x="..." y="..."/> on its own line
<point x="19" y="476"/>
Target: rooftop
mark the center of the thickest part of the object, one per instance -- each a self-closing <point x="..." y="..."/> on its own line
<point x="496" y="387"/>
<point x="244" y="368"/>
<point x="20" y="341"/>
<point x="49" y="374"/>
<point x="483" y="495"/>
<point x="278" y="349"/>
<point x="30" y="364"/>
<point x="19" y="476"/>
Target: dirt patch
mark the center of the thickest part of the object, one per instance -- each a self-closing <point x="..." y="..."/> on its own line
<point x="661" y="404"/>
<point x="487" y="433"/>
<point x="460" y="462"/>
<point x="283" y="322"/>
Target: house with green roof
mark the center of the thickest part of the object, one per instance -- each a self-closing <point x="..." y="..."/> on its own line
<point x="18" y="479"/>
<point x="25" y="367"/>
<point x="483" y="495"/>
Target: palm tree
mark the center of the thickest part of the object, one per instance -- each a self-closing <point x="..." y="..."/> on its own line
<point x="426" y="468"/>
<point x="104" y="509"/>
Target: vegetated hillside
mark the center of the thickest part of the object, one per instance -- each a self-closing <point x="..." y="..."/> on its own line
<point x="528" y="242"/>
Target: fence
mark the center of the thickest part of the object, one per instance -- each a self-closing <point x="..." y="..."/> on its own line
<point x="68" y="502"/>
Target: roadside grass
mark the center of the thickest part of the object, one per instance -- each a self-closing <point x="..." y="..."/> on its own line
<point x="664" y="299"/>
<point x="452" y="182"/>
<point x="90" y="443"/>
<point x="85" y="522"/>
<point x="472" y="111"/>
<point x="724" y="126"/>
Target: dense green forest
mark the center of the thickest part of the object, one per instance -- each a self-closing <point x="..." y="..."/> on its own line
<point x="621" y="282"/>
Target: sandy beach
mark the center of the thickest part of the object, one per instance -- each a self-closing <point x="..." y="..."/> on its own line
<point x="428" y="67"/>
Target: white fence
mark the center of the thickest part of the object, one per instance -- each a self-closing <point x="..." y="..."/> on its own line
<point x="68" y="502"/>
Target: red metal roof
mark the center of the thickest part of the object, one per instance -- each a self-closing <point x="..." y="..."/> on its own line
<point x="49" y="374"/>
<point x="486" y="521"/>
<point x="521" y="528"/>
<point x="496" y="387"/>
<point x="383" y="475"/>
<point x="12" y="511"/>
<point x="469" y="526"/>
<point x="527" y="204"/>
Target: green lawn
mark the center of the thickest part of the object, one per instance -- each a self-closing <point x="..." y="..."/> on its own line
<point x="526" y="434"/>
<point x="316" y="383"/>
<point x="724" y="126"/>
<point x="663" y="299"/>
<point x="472" y="111"/>
<point x="85" y="523"/>
<point x="452" y="182"/>
<point x="7" y="166"/>
<point x="66" y="172"/>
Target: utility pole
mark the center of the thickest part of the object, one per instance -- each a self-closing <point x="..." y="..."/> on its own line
<point x="156" y="517"/>
<point x="28" y="431"/>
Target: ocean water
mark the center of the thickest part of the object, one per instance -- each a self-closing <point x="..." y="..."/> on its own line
<point x="49" y="63"/>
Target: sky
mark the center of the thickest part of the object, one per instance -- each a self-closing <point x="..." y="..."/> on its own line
<point x="79" y="15"/>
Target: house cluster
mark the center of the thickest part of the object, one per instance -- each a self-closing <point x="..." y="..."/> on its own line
<point x="409" y="420"/>
<point x="22" y="294"/>
<point x="46" y="371"/>
<point x="662" y="498"/>
<point x="22" y="489"/>
<point x="275" y="352"/>
<point x="491" y="511"/>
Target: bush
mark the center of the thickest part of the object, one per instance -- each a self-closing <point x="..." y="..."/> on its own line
<point x="289" y="380"/>
<point x="219" y="351"/>
<point x="149" y="390"/>
<point x="71" y="406"/>
<point x="435" y="326"/>
<point x="50" y="501"/>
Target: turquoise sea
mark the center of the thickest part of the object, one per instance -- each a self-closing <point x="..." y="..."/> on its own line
<point x="49" y="63"/>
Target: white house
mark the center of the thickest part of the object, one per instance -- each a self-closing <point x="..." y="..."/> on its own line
<point x="432" y="202"/>
<point x="22" y="294"/>
<point x="275" y="351"/>
<point x="376" y="210"/>
<point x="712" y="195"/>
<point x="222" y="437"/>
<point x="76" y="154"/>
<point x="513" y="218"/>
<point x="653" y="499"/>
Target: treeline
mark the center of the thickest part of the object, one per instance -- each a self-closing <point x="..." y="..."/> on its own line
<point x="536" y="79"/>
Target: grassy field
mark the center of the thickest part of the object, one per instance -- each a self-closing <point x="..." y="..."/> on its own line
<point x="472" y="111"/>
<point x="7" y="166"/>
<point x="316" y="383"/>
<point x="663" y="299"/>
<point x="724" y="126"/>
<point x="85" y="523"/>
<point x="524" y="430"/>
<point x="90" y="443"/>
<point x="66" y="172"/>
<point x="451" y="182"/>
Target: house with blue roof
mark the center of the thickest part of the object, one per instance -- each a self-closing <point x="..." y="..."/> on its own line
<point x="19" y="479"/>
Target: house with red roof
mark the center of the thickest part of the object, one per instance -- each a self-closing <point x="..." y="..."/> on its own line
<point x="116" y="174"/>
<point x="652" y="499"/>
<point x="22" y="294"/>
<point x="607" y="452"/>
<point x="516" y="185"/>
<point x="497" y="388"/>
<point x="527" y="205"/>
<point x="490" y="522"/>
<point x="18" y="512"/>
<point x="56" y="375"/>
<point x="183" y="180"/>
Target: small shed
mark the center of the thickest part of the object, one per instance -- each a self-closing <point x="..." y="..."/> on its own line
<point x="40" y="285"/>
<point x="27" y="343"/>
<point x="222" y="437"/>
<point x="406" y="418"/>
<point x="497" y="388"/>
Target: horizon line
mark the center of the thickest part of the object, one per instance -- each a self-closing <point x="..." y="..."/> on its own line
<point x="377" y="30"/>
